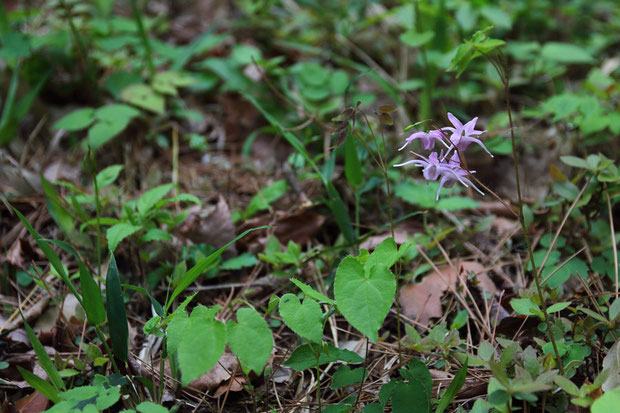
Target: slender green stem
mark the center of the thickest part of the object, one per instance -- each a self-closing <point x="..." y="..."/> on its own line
<point x="98" y="224"/>
<point x="145" y="40"/>
<point x="87" y="66"/>
<point x="364" y="374"/>
<point x="539" y="288"/>
<point x="427" y="96"/>
<point x="383" y="166"/>
<point x="107" y="349"/>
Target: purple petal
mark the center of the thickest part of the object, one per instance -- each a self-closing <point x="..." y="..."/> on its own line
<point x="457" y="123"/>
<point x="470" y="126"/>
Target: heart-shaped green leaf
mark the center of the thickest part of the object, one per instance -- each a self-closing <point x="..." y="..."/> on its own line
<point x="203" y="342"/>
<point x="250" y="339"/>
<point x="304" y="319"/>
<point x="364" y="297"/>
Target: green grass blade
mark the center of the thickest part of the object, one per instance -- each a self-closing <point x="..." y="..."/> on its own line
<point x="40" y="385"/>
<point x="93" y="303"/>
<point x="453" y="389"/>
<point x="44" y="358"/>
<point x="51" y="256"/>
<point x="202" y="266"/>
<point x="119" y="330"/>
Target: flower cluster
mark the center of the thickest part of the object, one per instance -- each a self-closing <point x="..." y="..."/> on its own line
<point x="445" y="166"/>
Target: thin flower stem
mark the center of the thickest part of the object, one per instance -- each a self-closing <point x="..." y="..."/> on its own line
<point x="383" y="167"/>
<point x="539" y="288"/>
<point x="613" y="237"/>
<point x="364" y="374"/>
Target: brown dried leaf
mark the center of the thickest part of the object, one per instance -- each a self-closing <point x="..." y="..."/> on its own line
<point x="33" y="403"/>
<point x="210" y="224"/>
<point x="422" y="301"/>
<point x="234" y="384"/>
<point x="14" y="254"/>
<point x="219" y="374"/>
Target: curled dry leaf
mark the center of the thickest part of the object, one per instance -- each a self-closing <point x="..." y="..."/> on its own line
<point x="422" y="301"/>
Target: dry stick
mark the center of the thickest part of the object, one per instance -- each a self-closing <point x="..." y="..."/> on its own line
<point x="559" y="230"/>
<point x="566" y="261"/>
<point x="613" y="238"/>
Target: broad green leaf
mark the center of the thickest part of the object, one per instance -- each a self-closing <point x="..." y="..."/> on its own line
<point x="103" y="131"/>
<point x="614" y="309"/>
<point x="151" y="197"/>
<point x="558" y="307"/>
<point x="93" y="302"/>
<point x="242" y="261"/>
<point x="486" y="351"/>
<point x="453" y="389"/>
<point x="496" y="16"/>
<point x="373" y="408"/>
<point x="567" y="385"/>
<point x="266" y="196"/>
<point x="117" y="318"/>
<point x="574" y="161"/>
<point x="44" y="359"/>
<point x="608" y="402"/>
<point x="174" y="331"/>
<point x="385" y="253"/>
<point x="156" y="234"/>
<point x="304" y="318"/>
<point x="202" y="266"/>
<point x="168" y="81"/>
<point x="352" y="166"/>
<point x="108" y="175"/>
<point x="303" y="357"/>
<point x="364" y="297"/>
<point x="119" y="232"/>
<point x="150" y="407"/>
<point x="313" y="74"/>
<point x="112" y="113"/>
<point x="566" y="53"/>
<point x="250" y="339"/>
<point x="410" y="398"/>
<point x="525" y="306"/>
<point x="76" y="120"/>
<point x="144" y="97"/>
<point x="344" y="376"/>
<point x="42" y="386"/>
<point x="203" y="342"/>
<point x="311" y="292"/>
<point x="414" y="39"/>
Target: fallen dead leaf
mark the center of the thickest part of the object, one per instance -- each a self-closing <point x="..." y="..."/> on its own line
<point x="33" y="403"/>
<point x="14" y="254"/>
<point x="209" y="224"/>
<point x="234" y="384"/>
<point x="219" y="374"/>
<point x="422" y="301"/>
<point x="401" y="234"/>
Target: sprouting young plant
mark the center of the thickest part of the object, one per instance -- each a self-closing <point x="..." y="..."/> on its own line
<point x="447" y="167"/>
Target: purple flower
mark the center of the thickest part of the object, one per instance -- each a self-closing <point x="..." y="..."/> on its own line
<point x="448" y="172"/>
<point x="427" y="139"/>
<point x="462" y="135"/>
